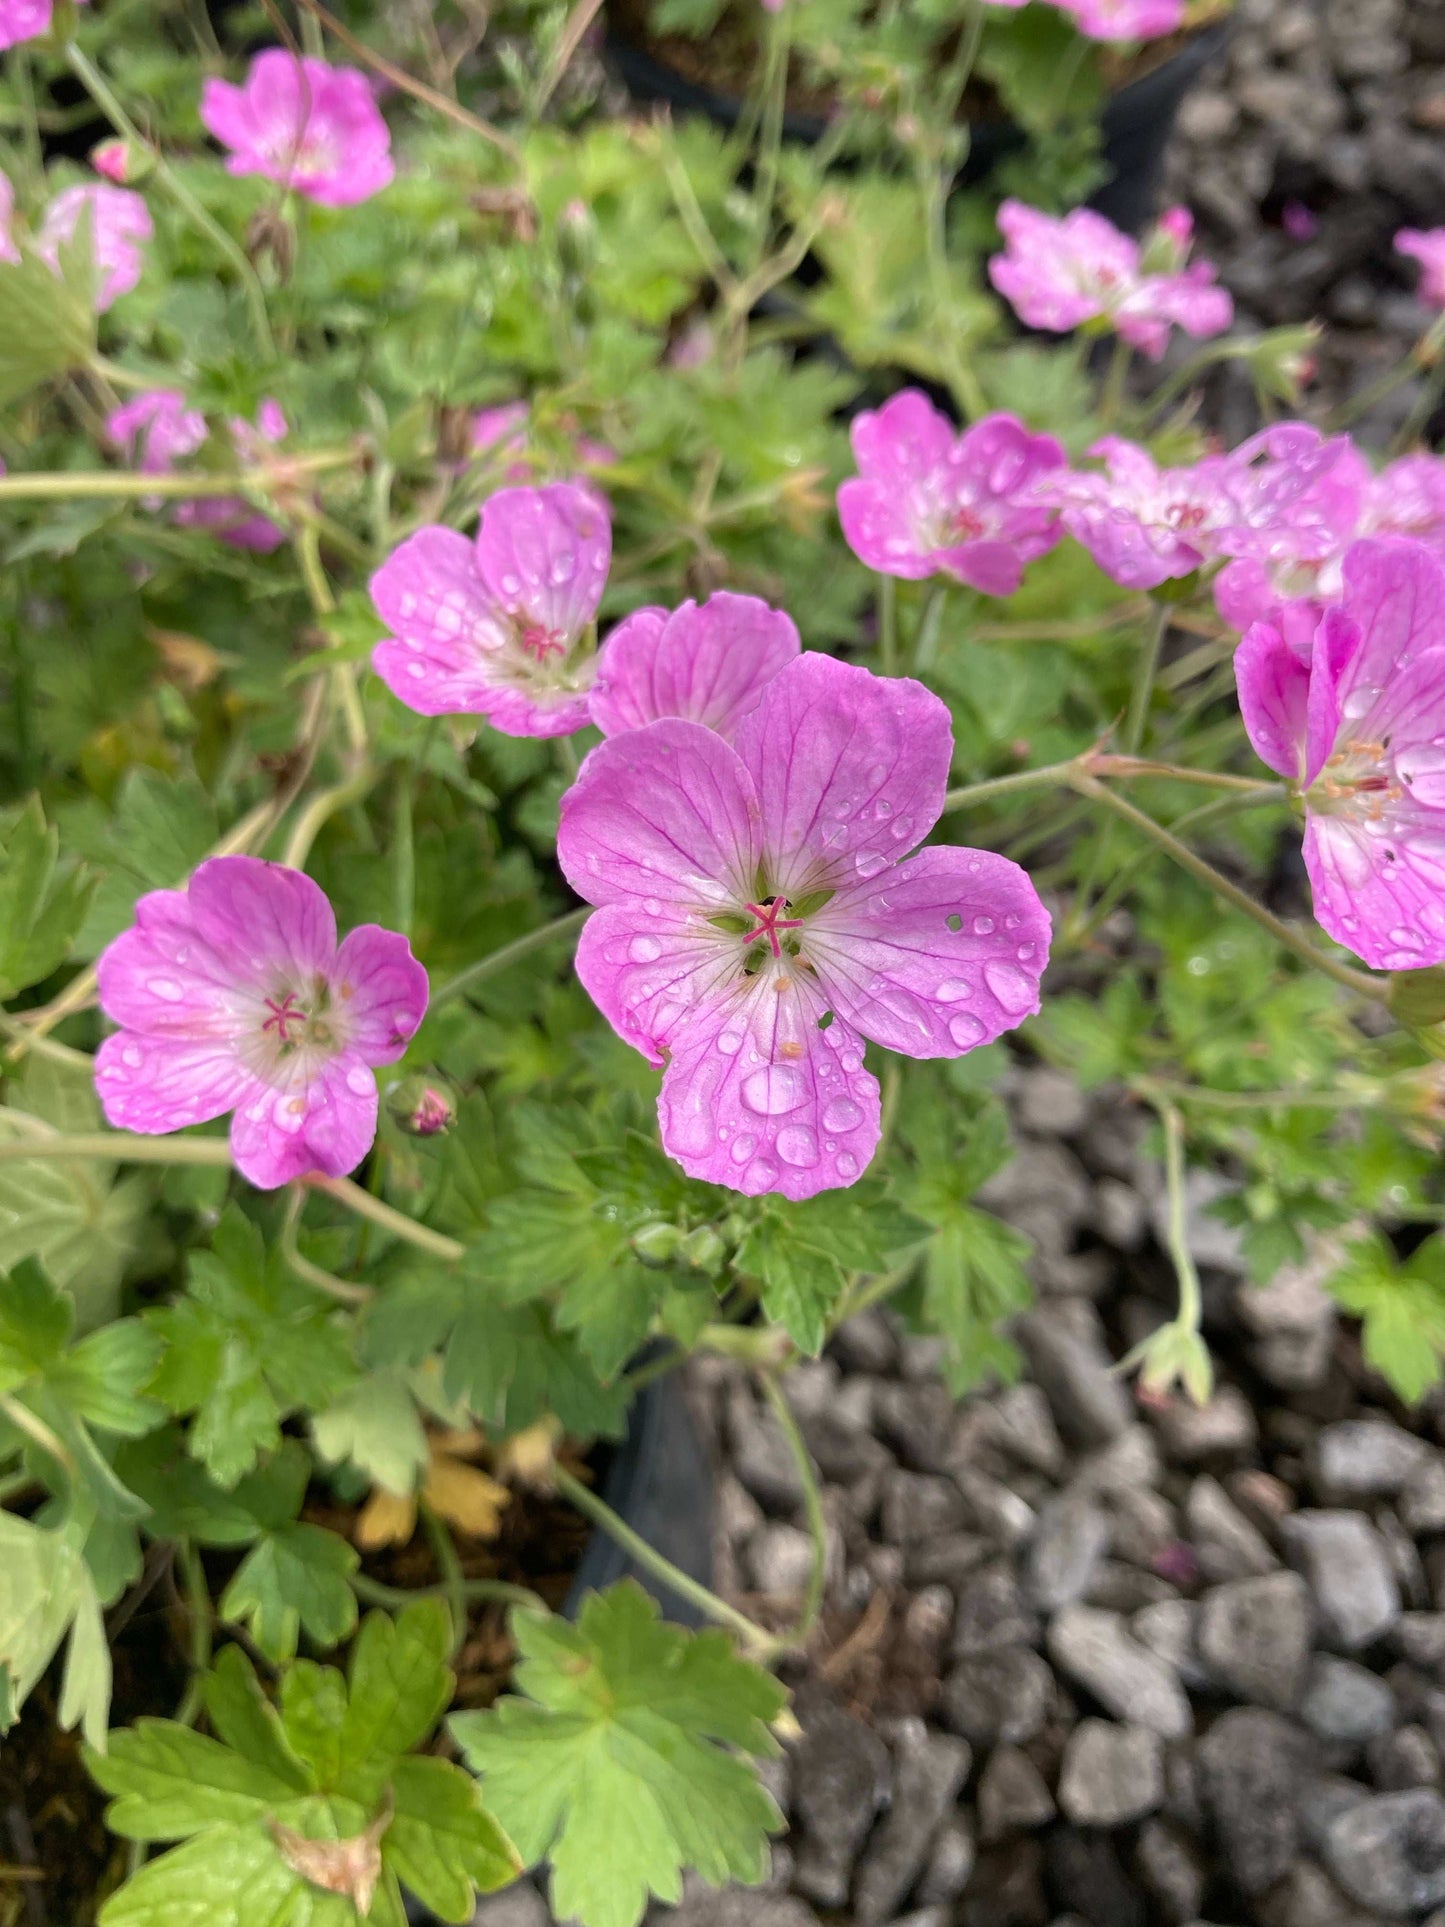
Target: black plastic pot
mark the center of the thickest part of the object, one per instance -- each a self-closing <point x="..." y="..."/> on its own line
<point x="1137" y="121"/>
<point x="659" y="1480"/>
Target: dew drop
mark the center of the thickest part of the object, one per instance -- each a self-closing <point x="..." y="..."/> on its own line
<point x="983" y="926"/>
<point x="842" y="1115"/>
<point x="762" y="1174"/>
<point x="847" y="1165"/>
<point x="772" y="1090"/>
<point x="744" y="1148"/>
<point x="851" y="1062"/>
<point x="1026" y="950"/>
<point x="132" y="1056"/>
<point x="1406" y="938"/>
<point x="729" y="1043"/>
<point x="965" y="1030"/>
<point x="359" y="1082"/>
<point x="1009" y="984"/>
<point x="883" y="807"/>
<point x="166" y="988"/>
<point x="797" y="1146"/>
<point x="1010" y="922"/>
<point x="652" y="906"/>
<point x="644" y="950"/>
<point x="952" y="990"/>
<point x="869" y="863"/>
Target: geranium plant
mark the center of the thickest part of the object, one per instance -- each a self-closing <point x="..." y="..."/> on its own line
<point x="564" y="679"/>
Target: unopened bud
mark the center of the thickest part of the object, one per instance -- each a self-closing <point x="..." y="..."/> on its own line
<point x="118" y="161"/>
<point x="657" y="1244"/>
<point x="422" y="1108"/>
<point x="704" y="1250"/>
<point x="270" y="233"/>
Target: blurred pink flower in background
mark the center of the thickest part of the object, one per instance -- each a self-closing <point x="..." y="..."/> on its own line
<point x="119" y="223"/>
<point x="232" y="517"/>
<point x="310" y="127"/>
<point x="1427" y="246"/>
<point x="25" y="20"/>
<point x="8" y="249"/>
<point x="502" y="433"/>
<point x="1124" y="19"/>
<point x="929" y="500"/>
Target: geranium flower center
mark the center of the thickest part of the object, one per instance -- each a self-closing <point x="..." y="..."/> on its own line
<point x="282" y="1016"/>
<point x="296" y="1027"/>
<point x="539" y="643"/>
<point x="1358" y="780"/>
<point x="770" y="922"/>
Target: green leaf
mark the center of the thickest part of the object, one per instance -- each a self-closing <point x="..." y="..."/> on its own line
<point x="227" y="1877"/>
<point x="46" y="1591"/>
<point x="293" y="1580"/>
<point x="374" y="1424"/>
<point x="623" y="1762"/>
<point x="801" y="1253"/>
<point x="169" y="1781"/>
<point x="47" y="319"/>
<point x="247" y="1346"/>
<point x="72" y="1216"/>
<point x="1403" y="1309"/>
<point x="162" y="828"/>
<point x="442" y="1843"/>
<point x="42" y="903"/>
<point x="509" y="1366"/>
<point x="400" y="1684"/>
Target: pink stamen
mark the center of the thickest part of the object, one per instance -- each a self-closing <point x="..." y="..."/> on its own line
<point x="539" y="643"/>
<point x="770" y="923"/>
<point x="282" y="1014"/>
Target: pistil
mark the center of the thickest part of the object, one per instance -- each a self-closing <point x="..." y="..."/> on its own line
<point x="770" y="922"/>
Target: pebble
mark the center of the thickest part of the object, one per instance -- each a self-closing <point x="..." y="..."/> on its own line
<point x="1222" y="1428"/>
<point x="1090" y="1404"/>
<point x="1254" y="1637"/>
<point x="1344" y="1701"/>
<point x="1051" y="1103"/>
<point x="1012" y="1795"/>
<point x="915" y="1506"/>
<point x="704" y="1906"/>
<point x="1085" y="1867"/>
<point x="520" y="1905"/>
<point x="1111" y="1774"/>
<point x="1421" y="1639"/>
<point x="1063" y="1557"/>
<point x="1169" y="1628"/>
<point x="1294" y="1320"/>
<point x="1128" y="1680"/>
<point x="1422" y="1501"/>
<point x="1020" y="1423"/>
<point x="1225" y="1542"/>
<point x="928" y="1771"/>
<point x="1408" y="1757"/>
<point x="992" y="1612"/>
<point x="1389" y="1851"/>
<point x="950" y="1863"/>
<point x="1366" y="1458"/>
<point x="842" y="1776"/>
<point x="1169" y="1864"/>
<point x="1251" y="1763"/>
<point x="1348" y="1569"/>
<point x="1005" y="1695"/>
<point x="761" y="1456"/>
<point x="779" y="1560"/>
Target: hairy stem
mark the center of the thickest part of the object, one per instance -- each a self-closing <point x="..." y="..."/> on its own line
<point x="324" y="1281"/>
<point x="759" y="1643"/>
<point x="1048" y="776"/>
<point x="497" y="961"/>
<point x="387" y="1217"/>
<point x="812" y="1507"/>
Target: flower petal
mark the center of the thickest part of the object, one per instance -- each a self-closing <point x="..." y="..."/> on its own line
<point x="263" y="918"/>
<point x="543" y="555"/>
<point x="935" y="957"/>
<point x="850" y="770"/>
<point x="381" y="990"/>
<point x="154" y="1083"/>
<point x="709" y="664"/>
<point x="665" y="814"/>
<point x="1395" y="591"/>
<point x="325" y="1123"/>
<point x="758" y="1098"/>
<point x="1333" y="655"/>
<point x="647" y="974"/>
<point x="1273" y="687"/>
<point x="161" y="975"/>
<point x="445" y="625"/>
<point x="1379" y="885"/>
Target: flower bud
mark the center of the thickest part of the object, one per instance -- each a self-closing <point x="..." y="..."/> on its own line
<point x="118" y="161"/>
<point x="704" y="1250"/>
<point x="657" y="1244"/>
<point x="422" y="1108"/>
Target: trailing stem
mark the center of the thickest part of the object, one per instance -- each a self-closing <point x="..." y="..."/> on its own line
<point x="812" y="1508"/>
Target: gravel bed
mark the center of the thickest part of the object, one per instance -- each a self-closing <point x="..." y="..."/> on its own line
<point x="1319" y="135"/>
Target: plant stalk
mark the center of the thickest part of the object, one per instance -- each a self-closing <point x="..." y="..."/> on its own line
<point x="497" y="961"/>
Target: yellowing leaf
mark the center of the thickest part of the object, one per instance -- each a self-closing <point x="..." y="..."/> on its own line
<point x="350" y="1867"/>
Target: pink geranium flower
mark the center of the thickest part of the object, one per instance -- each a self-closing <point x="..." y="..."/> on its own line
<point x="760" y="916"/>
<point x="1062" y="273"/>
<point x="156" y="430"/>
<point x="120" y="222"/>
<point x="25" y="20"/>
<point x="1427" y="246"/>
<point x="709" y="665"/>
<point x="1357" y="720"/>
<point x="314" y="128"/>
<point x="928" y="500"/>
<point x="1277" y="495"/>
<point x="112" y="159"/>
<point x="496" y="627"/>
<point x="233" y="995"/>
<point x="1124" y="19"/>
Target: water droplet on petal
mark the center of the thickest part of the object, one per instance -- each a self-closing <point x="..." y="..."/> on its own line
<point x="729" y="1043"/>
<point x="847" y="1166"/>
<point x="851" y="1061"/>
<point x="797" y="1146"/>
<point x="842" y="1115"/>
<point x="166" y="988"/>
<point x="762" y="1174"/>
<point x="652" y="906"/>
<point x="360" y="1082"/>
<point x="744" y="1148"/>
<point x="1026" y="950"/>
<point x="869" y="863"/>
<point x="952" y="990"/>
<point x="133" y="1056"/>
<point x="983" y="926"/>
<point x="644" y="950"/>
<point x="965" y="1030"/>
<point x="772" y="1090"/>
<point x="1008" y="983"/>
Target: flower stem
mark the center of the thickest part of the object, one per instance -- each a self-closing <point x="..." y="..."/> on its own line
<point x="373" y="1593"/>
<point x="497" y="961"/>
<point x="310" y="1274"/>
<point x="1359" y="981"/>
<point x="1190" y="1296"/>
<point x="387" y="1217"/>
<point x="1116" y="381"/>
<point x="444" y="1551"/>
<point x="323" y="806"/>
<point x="199" y="1611"/>
<point x="1047" y="776"/>
<point x="762" y="1645"/>
<point x="95" y="84"/>
<point x="812" y="1508"/>
<point x="114" y="1147"/>
<point x="100" y="483"/>
<point x="1148" y="669"/>
<point x="887" y="625"/>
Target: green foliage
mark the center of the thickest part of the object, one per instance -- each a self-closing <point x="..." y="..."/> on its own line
<point x="1402" y="1307"/>
<point x="621" y="1763"/>
<point x="42" y="902"/>
<point x="247" y="1345"/>
<point x="333" y="1765"/>
<point x="801" y="1254"/>
<point x="47" y="1594"/>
